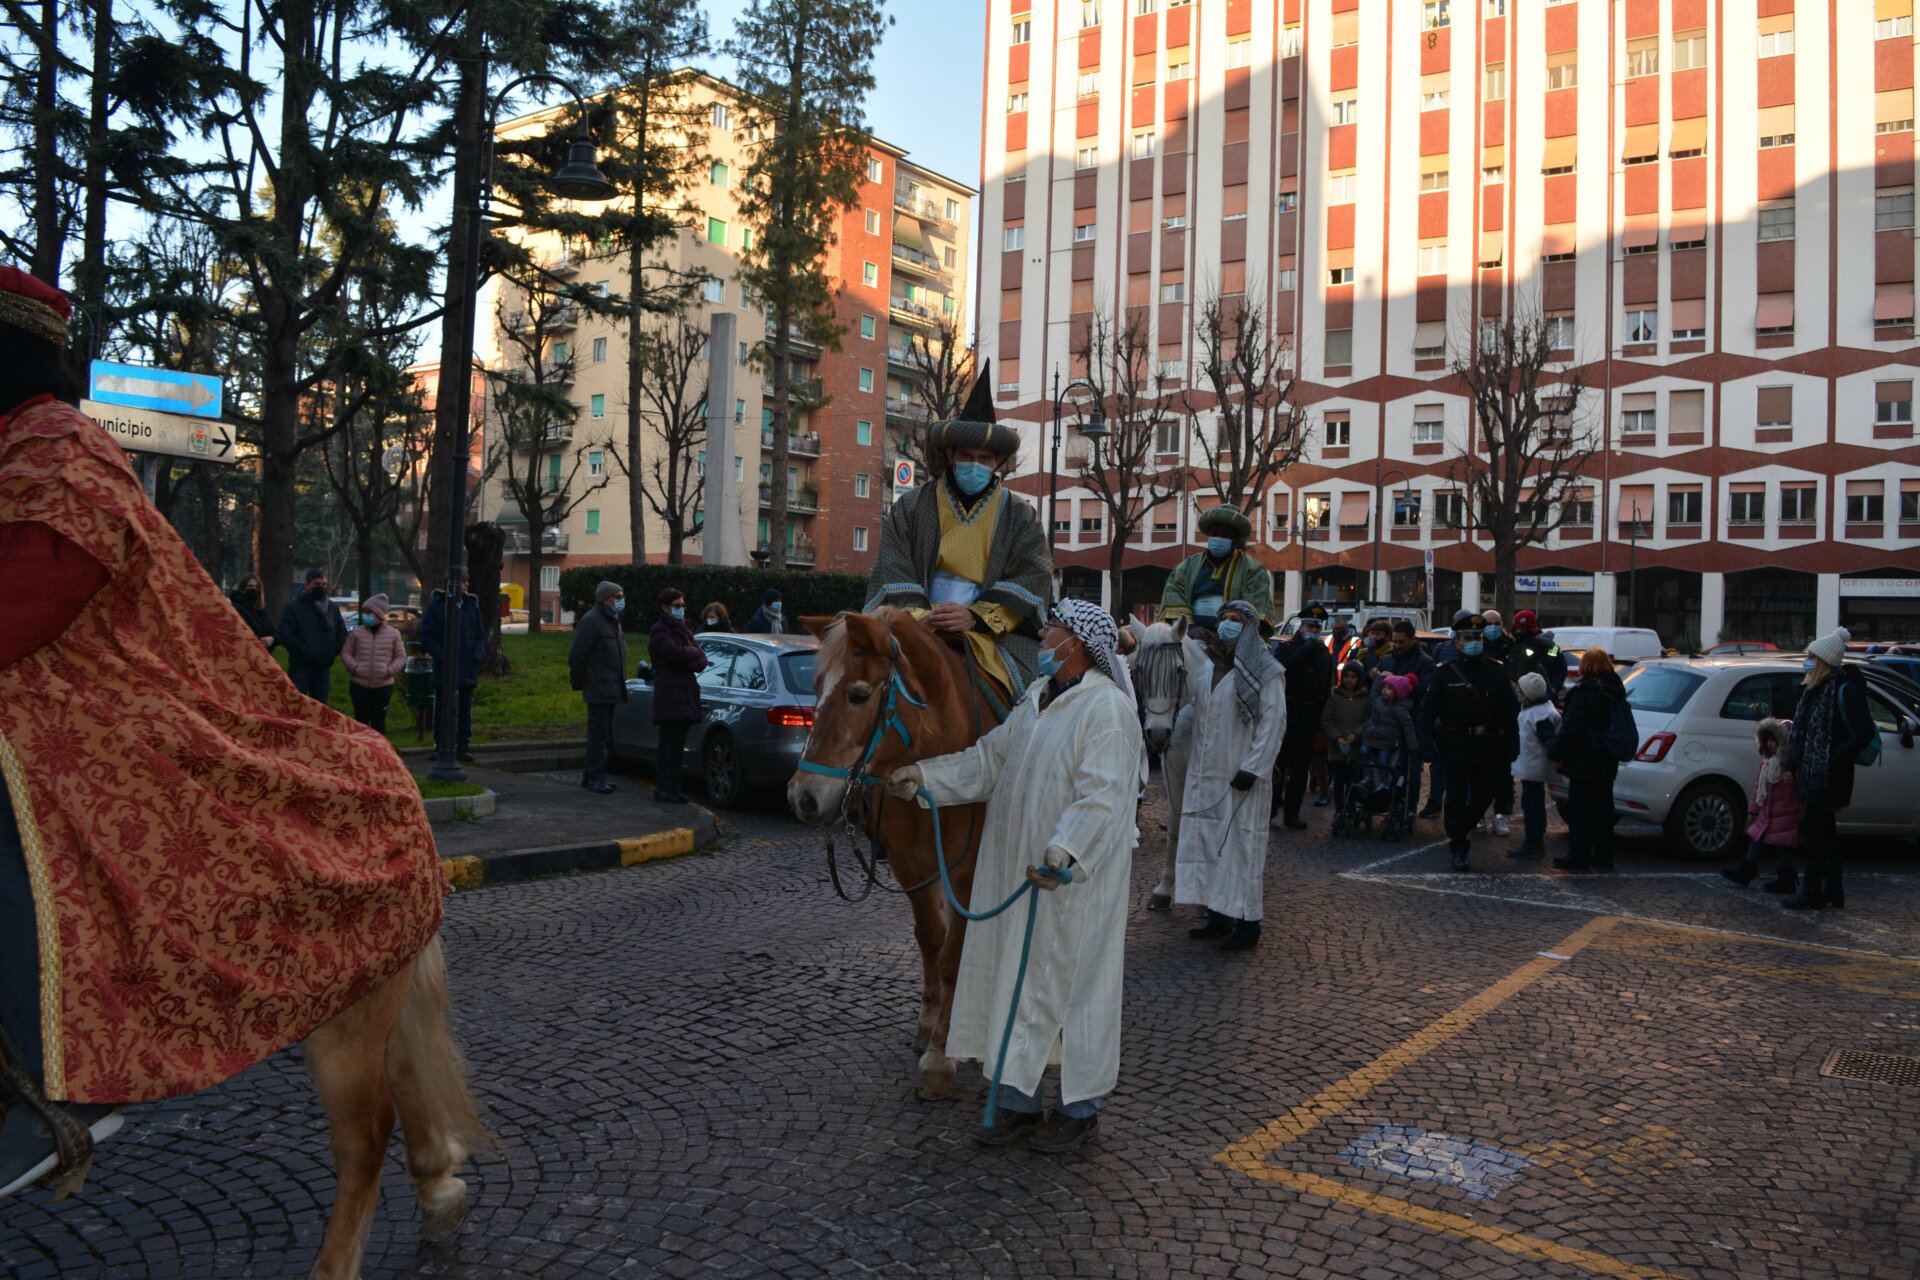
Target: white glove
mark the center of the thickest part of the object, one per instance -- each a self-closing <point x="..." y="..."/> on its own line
<point x="905" y="782"/>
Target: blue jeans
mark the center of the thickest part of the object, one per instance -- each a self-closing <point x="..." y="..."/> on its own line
<point x="1027" y="1104"/>
<point x="1533" y="804"/>
<point x="315" y="682"/>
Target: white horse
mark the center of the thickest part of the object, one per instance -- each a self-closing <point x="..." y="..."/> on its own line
<point x="1167" y="669"/>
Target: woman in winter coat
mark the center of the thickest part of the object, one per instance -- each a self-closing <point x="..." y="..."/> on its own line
<point x="1539" y="721"/>
<point x="1831" y="727"/>
<point x="714" y="618"/>
<point x="252" y="607"/>
<point x="1590" y="770"/>
<point x="676" y="660"/>
<point x="1342" y="720"/>
<point x="1773" y="811"/>
<point x="374" y="653"/>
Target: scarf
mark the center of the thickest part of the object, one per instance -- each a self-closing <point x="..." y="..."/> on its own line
<point x="1253" y="664"/>
<point x="1815" y="726"/>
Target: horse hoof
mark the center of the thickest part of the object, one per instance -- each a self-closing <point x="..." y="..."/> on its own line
<point x="439" y="1221"/>
<point x="1160" y="902"/>
<point x="936" y="1079"/>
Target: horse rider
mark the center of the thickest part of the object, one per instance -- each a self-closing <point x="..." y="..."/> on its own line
<point x="1470" y="716"/>
<point x="967" y="557"/>
<point x="1205" y="580"/>
<point x="198" y="865"/>
<point x="1058" y="779"/>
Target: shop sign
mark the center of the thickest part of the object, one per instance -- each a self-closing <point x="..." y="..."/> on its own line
<point x="1553" y="584"/>
<point x="1891" y="588"/>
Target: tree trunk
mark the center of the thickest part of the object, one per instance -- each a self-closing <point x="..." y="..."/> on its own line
<point x="1506" y="565"/>
<point x="213" y="545"/>
<point x="534" y="531"/>
<point x="485" y="546"/>
<point x="1116" y="575"/>
<point x="46" y="156"/>
<point x="782" y="411"/>
<point x="456" y="358"/>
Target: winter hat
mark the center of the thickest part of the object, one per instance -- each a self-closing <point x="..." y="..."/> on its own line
<point x="33" y="306"/>
<point x="606" y="591"/>
<point x="1526" y="620"/>
<point x="770" y="596"/>
<point x="376" y="605"/>
<point x="1402" y="687"/>
<point x="1357" y="668"/>
<point x="1831" y="649"/>
<point x="1533" y="686"/>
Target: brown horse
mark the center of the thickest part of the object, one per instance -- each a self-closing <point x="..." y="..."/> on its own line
<point x="877" y="675"/>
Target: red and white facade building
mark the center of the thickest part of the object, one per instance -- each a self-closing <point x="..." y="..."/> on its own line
<point x="1712" y="199"/>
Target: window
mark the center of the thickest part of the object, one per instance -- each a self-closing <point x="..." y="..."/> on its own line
<point x="1909" y="501"/>
<point x="1181" y="70"/>
<point x="948" y="306"/>
<point x="946" y="258"/>
<point x="1145" y="144"/>
<point x="1089" y="13"/>
<point x="1689" y="49"/>
<point x="1774" y="407"/>
<point x="1339" y="347"/>
<point x="1174" y="222"/>
<point x="862" y="485"/>
<point x="1776" y="220"/>
<point x="1087" y="158"/>
<point x="863" y="433"/>
<point x="1432" y="259"/>
<point x="1560" y="333"/>
<point x="1496" y="8"/>
<point x="1014" y="238"/>
<point x="1493" y="175"/>
<point x="1577" y="504"/>
<point x="1450" y="510"/>
<point x="1340" y="275"/>
<point x="549" y="577"/>
<point x="1240" y="52"/>
<point x="1774" y="44"/>
<point x="1643" y="326"/>
<point x="873" y="223"/>
<point x="1429" y="424"/>
<point x="1775" y="126"/>
<point x="740" y="357"/>
<point x="1289" y="279"/>
<point x="1434" y="181"/>
<point x="1866" y="502"/>
<point x="599" y="350"/>
<point x="721" y="118"/>
<point x="1436" y="13"/>
<point x="1287" y="202"/>
<point x="1689" y="318"/>
<point x="1085" y="233"/>
<point x="1022" y="31"/>
<point x="1496" y="82"/>
<point x="1174" y="291"/>
<point x="596" y="465"/>
<point x="1774" y="314"/>
<point x="1430" y="340"/>
<point x="1893" y="111"/>
<point x="1799" y="504"/>
<point x="1893" y="28"/>
<point x="1336" y="431"/>
<point x="1637" y="414"/>
<point x="746" y="238"/>
<point x="866" y="379"/>
<point x="1346" y="110"/>
<point x="1289" y="45"/>
<point x="953" y="212"/>
<point x="1087" y="85"/>
<point x="1091" y="524"/>
<point x="1893" y="402"/>
<point x="876" y="172"/>
<point x="1643" y="57"/>
<point x="593" y="520"/>
<point x="866" y="326"/>
<point x="716" y="231"/>
<point x="1340" y="188"/>
<point x="1683" y="506"/>
<point x="1563" y="70"/>
<point x="1747" y="506"/>
<point x="859" y="537"/>
<point x="869" y="274"/>
<point x="1016" y="102"/>
<point x="715" y="289"/>
<point x="597" y="406"/>
<point x="1892" y="208"/>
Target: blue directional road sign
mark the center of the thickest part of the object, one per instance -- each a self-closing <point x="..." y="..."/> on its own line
<point x="196" y="394"/>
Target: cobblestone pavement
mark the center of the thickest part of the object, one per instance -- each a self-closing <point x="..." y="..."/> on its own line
<point x="702" y="1068"/>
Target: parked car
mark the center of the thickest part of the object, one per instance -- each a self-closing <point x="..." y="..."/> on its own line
<point x="1696" y="763"/>
<point x="1726" y="647"/>
<point x="757" y="692"/>
<point x="1359" y="615"/>
<point x="1907" y="665"/>
<point x="1631" y="643"/>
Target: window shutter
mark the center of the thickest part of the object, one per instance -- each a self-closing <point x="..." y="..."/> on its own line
<point x="1687" y="411"/>
<point x="1775" y="407"/>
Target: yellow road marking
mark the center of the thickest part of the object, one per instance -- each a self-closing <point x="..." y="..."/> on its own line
<point x="1725" y="935"/>
<point x="465" y="872"/>
<point x="665" y="844"/>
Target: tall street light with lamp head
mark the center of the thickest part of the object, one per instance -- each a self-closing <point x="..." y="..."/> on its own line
<point x="1095" y="431"/>
<point x="578" y="179"/>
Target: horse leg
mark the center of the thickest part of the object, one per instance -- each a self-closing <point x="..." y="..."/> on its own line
<point x="937" y="1070"/>
<point x="930" y="932"/>
<point x="347" y="1057"/>
<point x="1173" y="774"/>
<point x="427" y="1076"/>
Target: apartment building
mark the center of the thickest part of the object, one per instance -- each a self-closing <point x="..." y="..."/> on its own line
<point x="901" y="263"/>
<point x="1711" y="202"/>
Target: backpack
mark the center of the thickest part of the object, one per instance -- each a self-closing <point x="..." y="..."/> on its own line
<point x="1620" y="740"/>
<point x="1870" y="753"/>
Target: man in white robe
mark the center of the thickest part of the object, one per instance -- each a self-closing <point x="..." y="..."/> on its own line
<point x="1237" y="721"/>
<point x="1058" y="779"/>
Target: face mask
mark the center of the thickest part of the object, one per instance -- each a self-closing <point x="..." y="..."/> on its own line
<point x="317" y="593"/>
<point x="1474" y="648"/>
<point x="713" y="622"/>
<point x="1311" y="633"/>
<point x="774" y="607"/>
<point x="679" y="610"/>
<point x="1491" y="633"/>
<point x="1807" y="665"/>
<point x="617" y="606"/>
<point x="1229" y="631"/>
<point x="369" y="619"/>
<point x="1050" y="662"/>
<point x="972" y="477"/>
<point x="1219" y="548"/>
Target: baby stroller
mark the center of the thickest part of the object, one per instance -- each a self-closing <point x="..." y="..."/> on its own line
<point x="1380" y="790"/>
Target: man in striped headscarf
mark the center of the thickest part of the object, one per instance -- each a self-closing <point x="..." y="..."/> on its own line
<point x="1237" y="721"/>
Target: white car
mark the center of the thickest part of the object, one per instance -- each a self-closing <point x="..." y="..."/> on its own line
<point x="1697" y="762"/>
<point x="1624" y="644"/>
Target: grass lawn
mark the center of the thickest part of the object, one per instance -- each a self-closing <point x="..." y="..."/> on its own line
<point x="430" y="790"/>
<point x="534" y="703"/>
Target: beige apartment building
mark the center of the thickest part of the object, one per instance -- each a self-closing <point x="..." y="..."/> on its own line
<point x="901" y="263"/>
<point x="1711" y="202"/>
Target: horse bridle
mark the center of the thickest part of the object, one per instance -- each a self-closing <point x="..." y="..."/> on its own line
<point x="1149" y="656"/>
<point x="887" y="717"/>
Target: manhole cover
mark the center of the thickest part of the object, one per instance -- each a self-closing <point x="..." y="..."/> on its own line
<point x="1880" y="1068"/>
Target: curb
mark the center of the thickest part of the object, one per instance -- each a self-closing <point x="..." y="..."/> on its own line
<point x="483" y="749"/>
<point x="447" y="808"/>
<point x="471" y="871"/>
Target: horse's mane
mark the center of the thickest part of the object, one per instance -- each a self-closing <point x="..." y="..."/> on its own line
<point x="836" y="644"/>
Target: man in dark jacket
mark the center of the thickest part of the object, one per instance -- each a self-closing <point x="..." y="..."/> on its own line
<point x="1534" y="650"/>
<point x="597" y="664"/>
<point x="770" y="618"/>
<point x="1471" y="717"/>
<point x="470" y="646"/>
<point x="1309" y="666"/>
<point x="314" y="632"/>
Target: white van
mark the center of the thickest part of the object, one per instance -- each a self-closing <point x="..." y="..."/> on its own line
<point x="1623" y="644"/>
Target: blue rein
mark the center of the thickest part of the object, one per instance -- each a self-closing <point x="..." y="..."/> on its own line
<point x="889" y="720"/>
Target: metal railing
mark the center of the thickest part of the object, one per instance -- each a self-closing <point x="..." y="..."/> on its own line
<point x="806" y="444"/>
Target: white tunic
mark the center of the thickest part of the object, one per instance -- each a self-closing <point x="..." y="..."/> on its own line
<point x="1064" y="776"/>
<point x="1223" y="833"/>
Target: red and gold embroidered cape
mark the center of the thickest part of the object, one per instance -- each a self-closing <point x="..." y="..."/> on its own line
<point x="219" y="863"/>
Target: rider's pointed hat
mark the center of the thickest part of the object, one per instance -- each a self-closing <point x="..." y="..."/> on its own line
<point x="976" y="427"/>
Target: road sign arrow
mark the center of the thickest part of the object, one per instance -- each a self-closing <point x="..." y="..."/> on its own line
<point x="191" y="394"/>
<point x="225" y="440"/>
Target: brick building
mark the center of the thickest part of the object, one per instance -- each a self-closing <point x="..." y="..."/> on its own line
<point x="1712" y="201"/>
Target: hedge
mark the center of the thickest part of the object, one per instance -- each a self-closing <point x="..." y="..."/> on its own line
<point x="739" y="588"/>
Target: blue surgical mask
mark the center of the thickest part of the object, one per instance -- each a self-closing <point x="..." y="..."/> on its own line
<point x="1219" y="548"/>
<point x="1229" y="631"/>
<point x="615" y="606"/>
<point x="679" y="611"/>
<point x="369" y="620"/>
<point x="1491" y="633"/>
<point x="1050" y="662"/>
<point x="1473" y="648"/>
<point x="972" y="477"/>
<point x="1806" y="665"/>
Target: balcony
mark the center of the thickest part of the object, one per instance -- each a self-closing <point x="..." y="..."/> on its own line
<point x="802" y="552"/>
<point x="909" y="412"/>
<point x="920" y="207"/>
<point x="901" y="363"/>
<point x="798" y="445"/>
<point x="561" y="264"/>
<point x="552" y="542"/>
<point x="552" y="320"/>
<point x="915" y="262"/>
<point x="801" y="349"/>
<point x="558" y="435"/>
<point x="913" y="313"/>
<point x="545" y="489"/>
<point x="803" y="499"/>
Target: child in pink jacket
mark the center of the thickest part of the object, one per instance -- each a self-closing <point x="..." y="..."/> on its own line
<point x="373" y="655"/>
<point x="1773" y="812"/>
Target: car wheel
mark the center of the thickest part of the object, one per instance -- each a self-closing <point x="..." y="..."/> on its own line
<point x="726" y="778"/>
<point x="1705" y="821"/>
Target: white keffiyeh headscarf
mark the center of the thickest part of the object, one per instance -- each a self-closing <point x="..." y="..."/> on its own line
<point x="1253" y="663"/>
<point x="1095" y="629"/>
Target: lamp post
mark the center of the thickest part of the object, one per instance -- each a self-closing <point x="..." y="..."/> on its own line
<point x="1095" y="430"/>
<point x="1379" y="521"/>
<point x="1633" y="565"/>
<point x="579" y="179"/>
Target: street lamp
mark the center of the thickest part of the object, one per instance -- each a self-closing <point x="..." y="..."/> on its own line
<point x="1633" y="565"/>
<point x="1379" y="523"/>
<point x="578" y="179"/>
<point x="1095" y="431"/>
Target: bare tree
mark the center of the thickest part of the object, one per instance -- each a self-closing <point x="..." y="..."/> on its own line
<point x="943" y="372"/>
<point x="1125" y="371"/>
<point x="1522" y="455"/>
<point x="673" y="388"/>
<point x="1246" y="369"/>
<point x="408" y="456"/>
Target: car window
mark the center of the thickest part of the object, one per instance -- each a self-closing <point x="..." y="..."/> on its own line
<point x="1885" y="714"/>
<point x="1772" y="693"/>
<point x="798" y="668"/>
<point x="748" y="673"/>
<point x="1661" y="689"/>
<point x="719" y="664"/>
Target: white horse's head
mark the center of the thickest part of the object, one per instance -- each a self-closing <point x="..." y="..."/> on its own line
<point x="1167" y="669"/>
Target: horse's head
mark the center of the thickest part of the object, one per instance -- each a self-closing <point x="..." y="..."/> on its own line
<point x="857" y="675"/>
<point x="1164" y="678"/>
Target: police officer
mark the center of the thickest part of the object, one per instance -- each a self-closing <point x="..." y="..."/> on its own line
<point x="1309" y="666"/>
<point x="1471" y="718"/>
